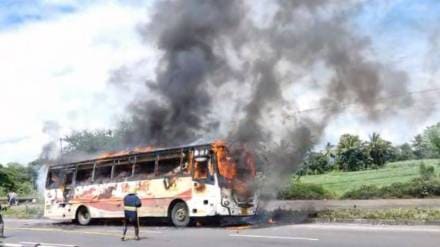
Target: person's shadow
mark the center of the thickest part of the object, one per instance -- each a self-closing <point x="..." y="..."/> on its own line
<point x="134" y="239"/>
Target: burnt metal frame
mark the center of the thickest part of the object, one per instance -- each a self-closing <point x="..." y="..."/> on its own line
<point x="159" y="153"/>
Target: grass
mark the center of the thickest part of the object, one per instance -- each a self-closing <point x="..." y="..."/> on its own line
<point x="402" y="214"/>
<point x="340" y="182"/>
<point x="32" y="211"/>
<point x="304" y="192"/>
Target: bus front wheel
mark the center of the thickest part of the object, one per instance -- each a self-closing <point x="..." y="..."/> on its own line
<point x="83" y="216"/>
<point x="180" y="214"/>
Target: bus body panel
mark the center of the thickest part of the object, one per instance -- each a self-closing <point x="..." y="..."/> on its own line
<point x="106" y="200"/>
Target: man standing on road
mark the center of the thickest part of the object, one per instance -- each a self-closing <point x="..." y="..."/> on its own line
<point x="12" y="198"/>
<point x="131" y="204"/>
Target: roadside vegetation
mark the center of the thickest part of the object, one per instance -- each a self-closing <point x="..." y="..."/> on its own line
<point x="354" y="154"/>
<point x="358" y="169"/>
<point x="396" y="214"/>
<point x="25" y="211"/>
<point x="19" y="178"/>
<point x="304" y="191"/>
<point x="341" y="183"/>
<point x="412" y="179"/>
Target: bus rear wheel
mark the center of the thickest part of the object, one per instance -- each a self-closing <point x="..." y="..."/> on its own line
<point x="83" y="216"/>
<point x="180" y="215"/>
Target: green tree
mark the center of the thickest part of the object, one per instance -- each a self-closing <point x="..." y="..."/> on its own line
<point x="90" y="142"/>
<point x="379" y="150"/>
<point x="15" y="177"/>
<point x="427" y="144"/>
<point x="351" y="153"/>
<point x="431" y="139"/>
<point x="329" y="151"/>
<point x="317" y="163"/>
<point x="404" y="152"/>
<point x="421" y="150"/>
<point x="6" y="180"/>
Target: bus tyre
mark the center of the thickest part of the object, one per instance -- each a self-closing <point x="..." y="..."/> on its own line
<point x="83" y="216"/>
<point x="180" y="215"/>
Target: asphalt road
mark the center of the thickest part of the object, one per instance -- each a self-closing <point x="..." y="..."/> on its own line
<point x="337" y="235"/>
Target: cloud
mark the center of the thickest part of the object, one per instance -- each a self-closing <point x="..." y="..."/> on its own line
<point x="14" y="13"/>
<point x="57" y="69"/>
<point x="13" y="140"/>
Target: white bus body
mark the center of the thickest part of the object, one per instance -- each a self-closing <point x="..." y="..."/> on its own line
<point x="189" y="178"/>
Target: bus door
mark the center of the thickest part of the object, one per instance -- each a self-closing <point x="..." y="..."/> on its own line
<point x="67" y="185"/>
<point x="203" y="170"/>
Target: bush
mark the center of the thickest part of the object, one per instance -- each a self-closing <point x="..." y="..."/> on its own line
<point x="302" y="191"/>
<point x="364" y="192"/>
<point x="426" y="172"/>
<point x="416" y="188"/>
<point x="417" y="214"/>
<point x="25" y="211"/>
<point x="15" y="177"/>
<point x="316" y="163"/>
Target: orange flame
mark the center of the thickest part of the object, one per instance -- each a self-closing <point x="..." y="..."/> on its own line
<point x="226" y="165"/>
<point x="228" y="168"/>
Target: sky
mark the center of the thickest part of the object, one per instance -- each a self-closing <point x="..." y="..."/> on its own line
<point x="57" y="56"/>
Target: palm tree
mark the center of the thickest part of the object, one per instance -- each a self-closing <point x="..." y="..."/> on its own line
<point x="379" y="149"/>
<point x="350" y="153"/>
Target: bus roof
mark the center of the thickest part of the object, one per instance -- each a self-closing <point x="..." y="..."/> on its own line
<point x="134" y="153"/>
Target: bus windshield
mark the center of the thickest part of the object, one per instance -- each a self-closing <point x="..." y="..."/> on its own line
<point x="237" y="164"/>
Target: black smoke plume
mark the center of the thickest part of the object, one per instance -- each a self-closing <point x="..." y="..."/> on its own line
<point x="227" y="67"/>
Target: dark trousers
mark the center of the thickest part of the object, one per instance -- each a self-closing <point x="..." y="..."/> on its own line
<point x="134" y="221"/>
<point x="2" y="227"/>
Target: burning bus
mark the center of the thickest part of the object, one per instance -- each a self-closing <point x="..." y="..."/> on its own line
<point x="179" y="183"/>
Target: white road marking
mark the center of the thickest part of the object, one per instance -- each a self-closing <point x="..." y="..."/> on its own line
<point x="48" y="244"/>
<point x="10" y="245"/>
<point x="272" y="237"/>
<point x="105" y="233"/>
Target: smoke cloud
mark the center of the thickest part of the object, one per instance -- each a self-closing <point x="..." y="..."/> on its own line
<point x="51" y="150"/>
<point x="188" y="39"/>
<point x="227" y="68"/>
<point x="49" y="154"/>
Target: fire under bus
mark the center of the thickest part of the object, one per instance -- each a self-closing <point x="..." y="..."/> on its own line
<point x="179" y="183"/>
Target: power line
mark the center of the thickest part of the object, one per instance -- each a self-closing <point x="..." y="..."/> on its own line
<point x="344" y="105"/>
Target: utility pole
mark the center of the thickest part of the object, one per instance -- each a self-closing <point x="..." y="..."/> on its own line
<point x="61" y="149"/>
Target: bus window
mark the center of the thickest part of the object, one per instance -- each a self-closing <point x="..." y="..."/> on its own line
<point x="69" y="178"/>
<point x="123" y="172"/>
<point x="102" y="174"/>
<point x="169" y="167"/>
<point x="54" y="179"/>
<point x="84" y="174"/>
<point x="201" y="169"/>
<point x="186" y="170"/>
<point x="144" y="169"/>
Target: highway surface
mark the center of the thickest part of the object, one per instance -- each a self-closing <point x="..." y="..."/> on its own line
<point x="50" y="233"/>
